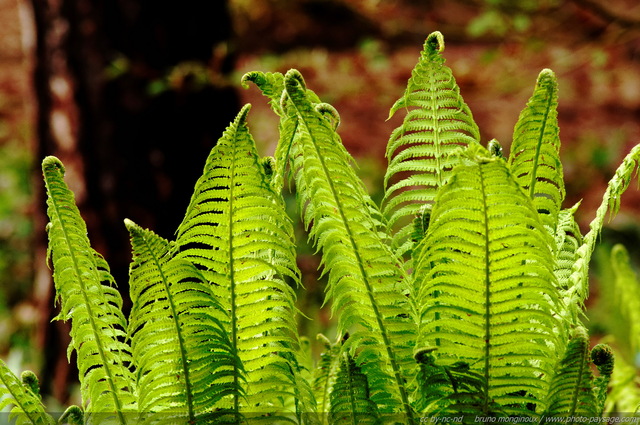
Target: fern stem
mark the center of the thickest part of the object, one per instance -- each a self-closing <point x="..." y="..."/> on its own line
<point x="232" y="289"/>
<point x="487" y="301"/>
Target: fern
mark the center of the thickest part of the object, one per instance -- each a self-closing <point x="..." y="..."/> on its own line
<point x="25" y="398"/>
<point x="236" y="232"/>
<point x="438" y="122"/>
<point x="87" y="293"/>
<point x="183" y="357"/>
<point x="479" y="301"/>
<point x="571" y="392"/>
<point x="350" y="402"/>
<point x="366" y="282"/>
<point x="534" y="159"/>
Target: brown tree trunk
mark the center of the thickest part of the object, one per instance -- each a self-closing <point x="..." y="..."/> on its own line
<point x="130" y="101"/>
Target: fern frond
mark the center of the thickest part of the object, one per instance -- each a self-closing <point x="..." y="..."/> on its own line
<point x="438" y="122"/>
<point x="366" y="285"/>
<point x="350" y="398"/>
<point x="88" y="296"/>
<point x="27" y="406"/>
<point x="183" y="357"/>
<point x="487" y="289"/>
<point x="534" y="159"/>
<point x="237" y="233"/>
<point x="626" y="294"/>
<point x="610" y="203"/>
<point x="571" y="391"/>
<point x="325" y="374"/>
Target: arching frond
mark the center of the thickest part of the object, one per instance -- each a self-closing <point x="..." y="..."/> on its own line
<point x="610" y="203"/>
<point x="237" y="233"/>
<point x="366" y="284"/>
<point x="88" y="295"/>
<point x="26" y="405"/>
<point x="350" y="399"/>
<point x="438" y="122"/>
<point x="183" y="356"/>
<point x="571" y="390"/>
<point x="534" y="159"/>
<point x="487" y="288"/>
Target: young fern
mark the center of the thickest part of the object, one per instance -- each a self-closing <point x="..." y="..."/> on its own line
<point x="366" y="285"/>
<point x="534" y="159"/>
<point x="237" y="233"/>
<point x="87" y="295"/>
<point x="24" y="397"/>
<point x="438" y="122"/>
<point x="487" y="291"/>
<point x="183" y="356"/>
<point x="350" y="400"/>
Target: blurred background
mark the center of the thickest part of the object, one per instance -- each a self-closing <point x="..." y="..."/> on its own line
<point x="132" y="94"/>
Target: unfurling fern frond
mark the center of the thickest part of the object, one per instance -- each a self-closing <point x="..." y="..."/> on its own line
<point x="26" y="405"/>
<point x="534" y="159"/>
<point x="610" y="203"/>
<point x="350" y="399"/>
<point x="438" y="122"/>
<point x="183" y="357"/>
<point x="571" y="391"/>
<point x="487" y="289"/>
<point x="602" y="357"/>
<point x="88" y="295"/>
<point x="237" y="233"/>
<point x="366" y="285"/>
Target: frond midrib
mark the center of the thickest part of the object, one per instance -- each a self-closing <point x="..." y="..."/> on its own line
<point x="396" y="370"/>
<point x="91" y="315"/>
<point x="487" y="283"/>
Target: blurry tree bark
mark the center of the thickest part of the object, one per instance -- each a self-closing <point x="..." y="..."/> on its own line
<point x="131" y="97"/>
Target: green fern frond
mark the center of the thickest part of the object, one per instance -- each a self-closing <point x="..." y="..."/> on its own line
<point x="438" y="122"/>
<point x="237" y="233"/>
<point x="183" y="357"/>
<point x="534" y="159"/>
<point x="610" y="203"/>
<point x="487" y="289"/>
<point x="626" y="294"/>
<point x="571" y="391"/>
<point x="325" y="375"/>
<point x="350" y="398"/>
<point x="367" y="285"/>
<point x="27" y="406"/>
<point x="87" y="294"/>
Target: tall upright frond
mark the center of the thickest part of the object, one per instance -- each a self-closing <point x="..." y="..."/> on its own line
<point x="367" y="285"/>
<point x="571" y="390"/>
<point x="487" y="287"/>
<point x="88" y="296"/>
<point x="26" y="405"/>
<point x="237" y="233"/>
<point x="183" y="357"/>
<point x="534" y="159"/>
<point x="610" y="203"/>
<point x="438" y="122"/>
